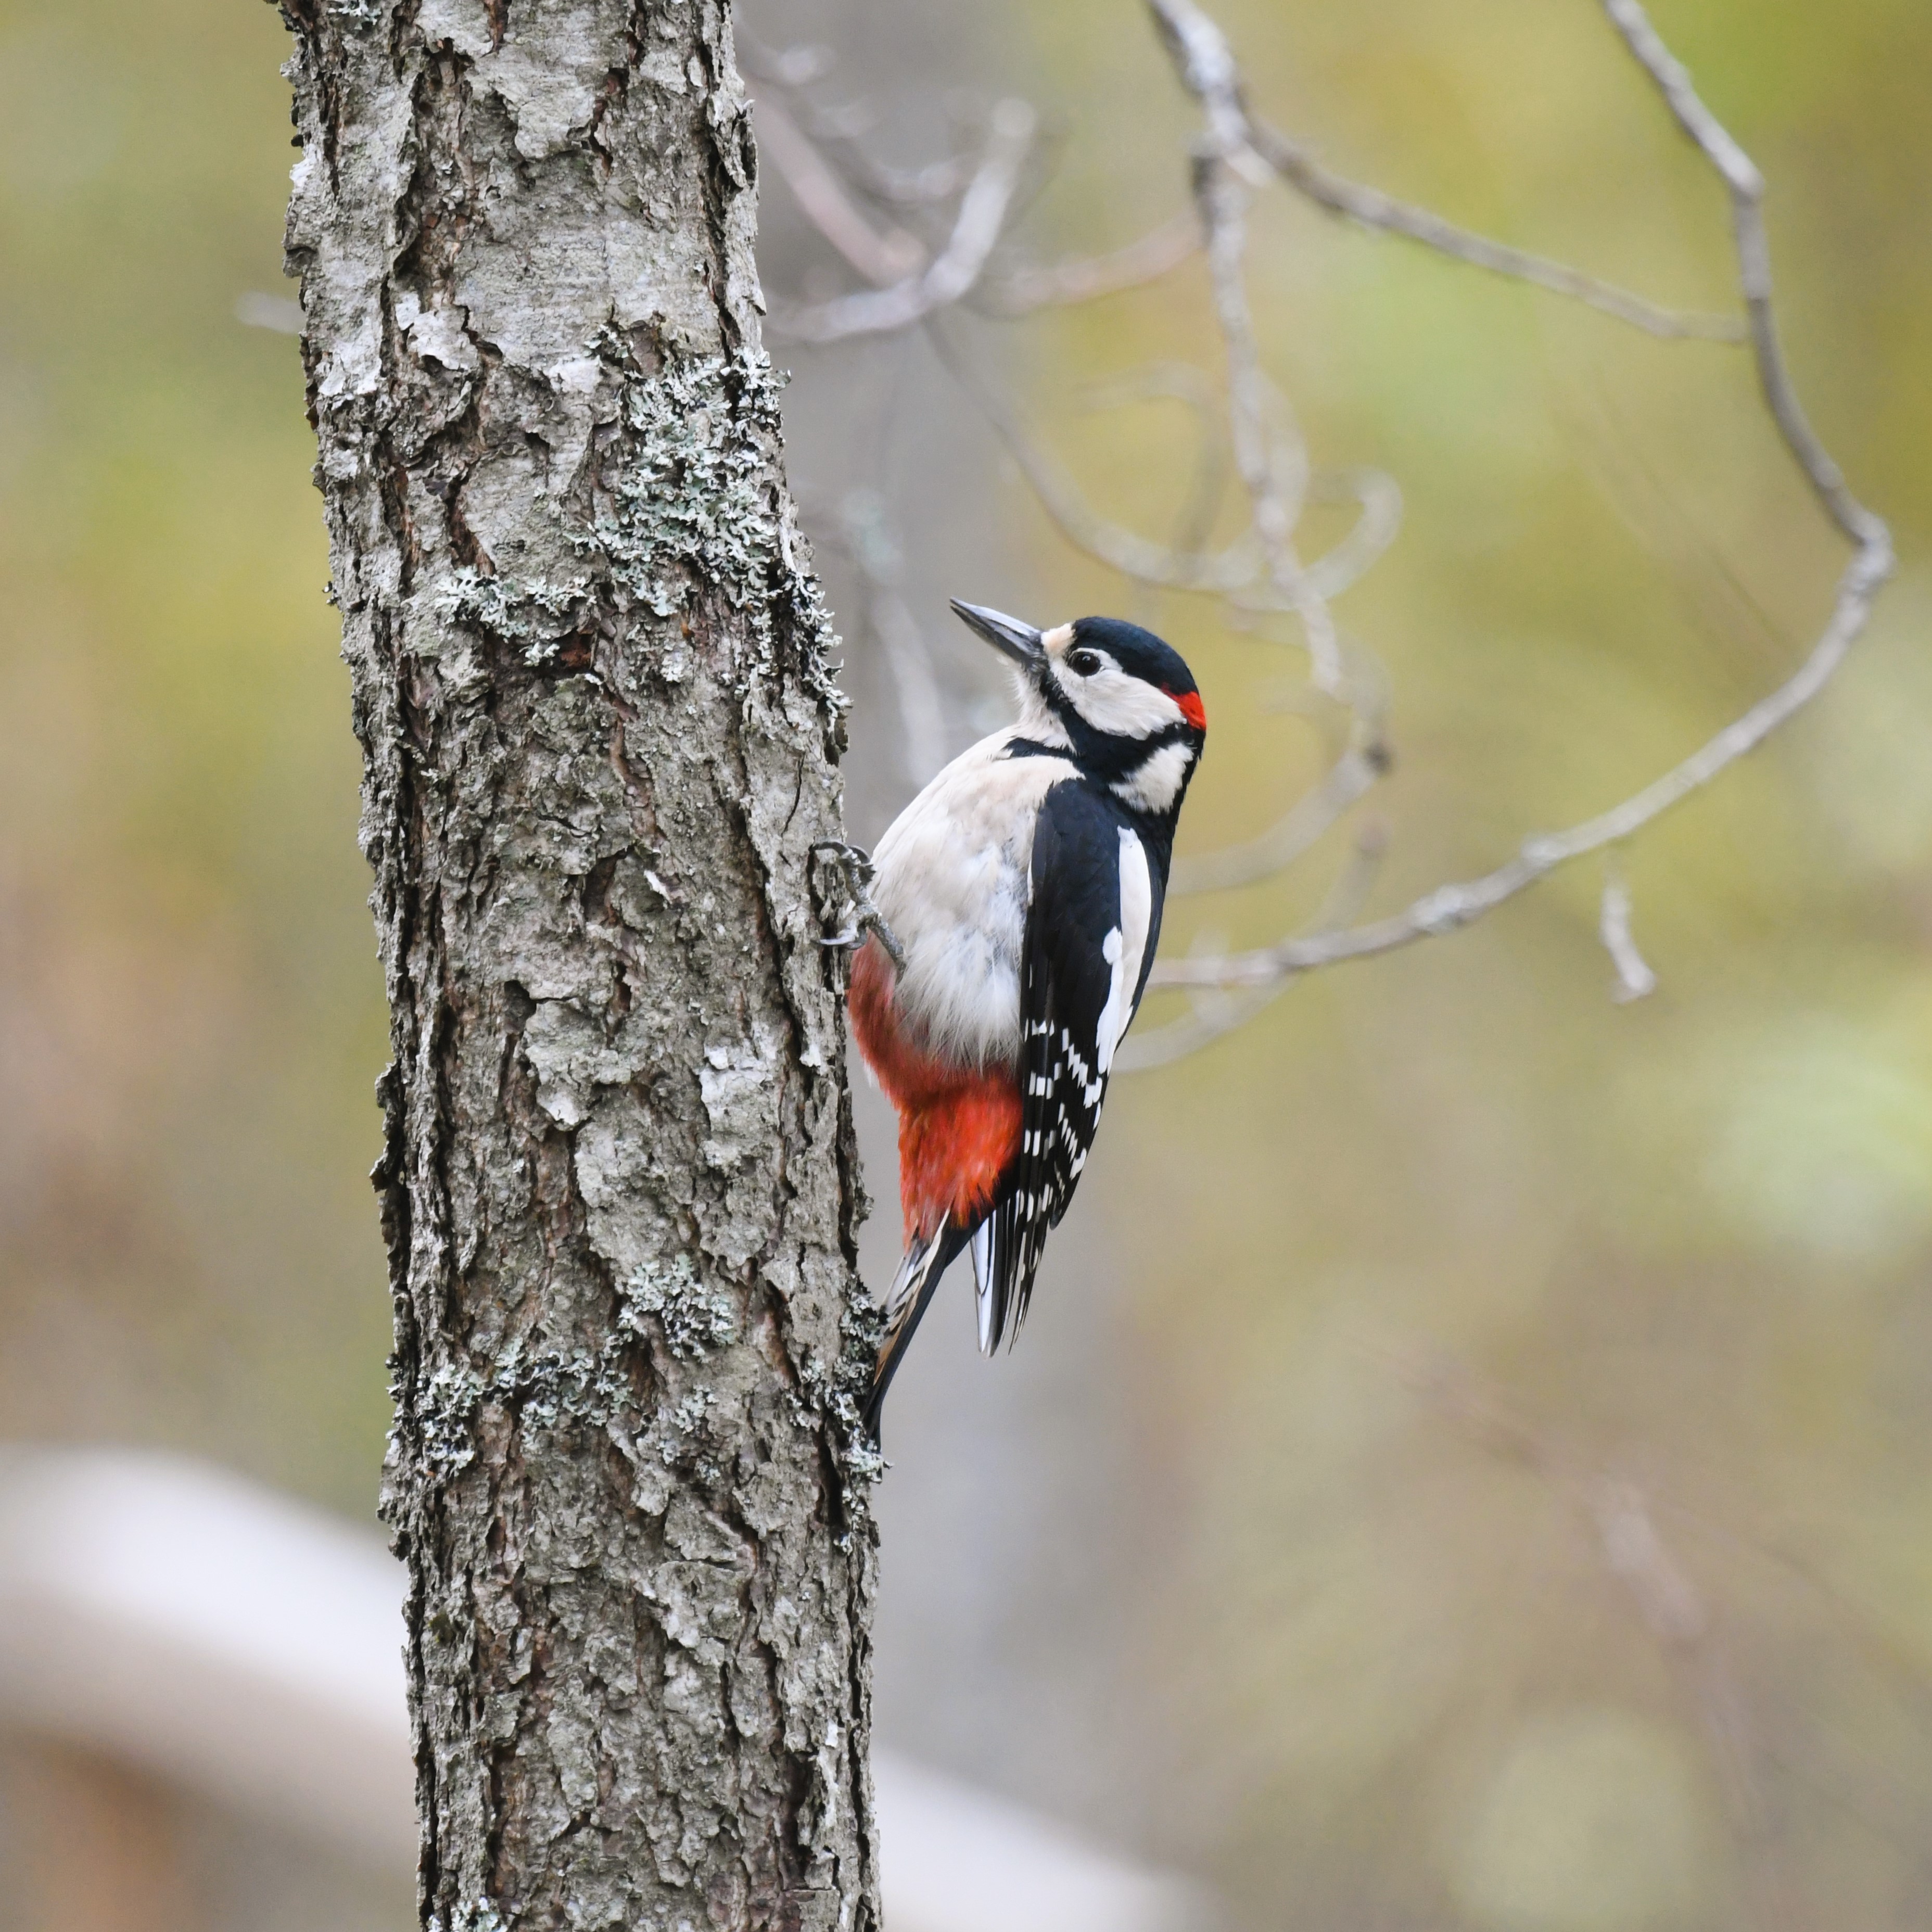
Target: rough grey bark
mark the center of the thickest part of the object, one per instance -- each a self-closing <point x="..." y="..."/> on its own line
<point x="591" y="685"/>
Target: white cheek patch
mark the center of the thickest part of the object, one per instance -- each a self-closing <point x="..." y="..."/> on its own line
<point x="1112" y="702"/>
<point x="1155" y="783"/>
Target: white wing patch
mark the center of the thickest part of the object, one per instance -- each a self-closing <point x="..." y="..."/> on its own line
<point x="1124" y="949"/>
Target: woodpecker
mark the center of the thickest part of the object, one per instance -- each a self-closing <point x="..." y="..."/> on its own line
<point x="1024" y="887"/>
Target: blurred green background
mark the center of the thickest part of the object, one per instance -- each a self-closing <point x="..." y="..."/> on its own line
<point x="190" y="1007"/>
<point x="1525" y="1395"/>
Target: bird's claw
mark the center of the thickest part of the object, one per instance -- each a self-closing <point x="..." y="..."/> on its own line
<point x="854" y="866"/>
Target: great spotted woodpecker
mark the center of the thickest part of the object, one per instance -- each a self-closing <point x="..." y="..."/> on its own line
<point x="1023" y="886"/>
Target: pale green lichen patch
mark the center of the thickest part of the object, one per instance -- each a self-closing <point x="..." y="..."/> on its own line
<point x="551" y="1387"/>
<point x="548" y="1387"/>
<point x="693" y="508"/>
<point x="359" y="16"/>
<point x="694" y="1319"/>
<point x="527" y="612"/>
<point x="689" y="511"/>
<point x="445" y="1415"/>
<point x="482" y="1916"/>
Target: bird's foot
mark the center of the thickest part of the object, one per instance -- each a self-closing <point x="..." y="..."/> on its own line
<point x="851" y="866"/>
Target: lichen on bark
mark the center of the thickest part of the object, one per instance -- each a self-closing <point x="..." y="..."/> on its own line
<point x="592" y="681"/>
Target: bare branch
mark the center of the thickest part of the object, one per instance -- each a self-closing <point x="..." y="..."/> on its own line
<point x="884" y="260"/>
<point x="1215" y="1014"/>
<point x="1206" y="65"/>
<point x="1224" y="161"/>
<point x="1379" y="496"/>
<point x="1228" y="573"/>
<point x="841" y="128"/>
<point x="1453" y="906"/>
<point x="1060" y="284"/>
<point x="1223" y="199"/>
<point x="1373" y="209"/>
<point x="1216" y="1011"/>
<point x="1747" y="189"/>
<point x="1351" y="777"/>
<point x="1114" y="545"/>
<point x="1208" y="68"/>
<point x="1262" y="571"/>
<point x="983" y="210"/>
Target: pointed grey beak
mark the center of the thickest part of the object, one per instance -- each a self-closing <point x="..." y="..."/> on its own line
<point x="1021" y="642"/>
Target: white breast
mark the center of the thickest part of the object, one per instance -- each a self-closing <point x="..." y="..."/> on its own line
<point x="955" y="873"/>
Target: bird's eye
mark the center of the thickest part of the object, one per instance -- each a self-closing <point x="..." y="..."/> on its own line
<point x="1085" y="662"/>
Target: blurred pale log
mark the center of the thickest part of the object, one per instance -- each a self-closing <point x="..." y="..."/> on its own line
<point x="170" y="1624"/>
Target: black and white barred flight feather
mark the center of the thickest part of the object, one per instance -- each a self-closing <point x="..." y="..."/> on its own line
<point x="1092" y="925"/>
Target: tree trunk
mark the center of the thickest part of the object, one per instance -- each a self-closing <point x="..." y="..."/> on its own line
<point x="601" y="736"/>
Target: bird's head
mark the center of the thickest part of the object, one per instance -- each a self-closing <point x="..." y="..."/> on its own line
<point x="1122" y="701"/>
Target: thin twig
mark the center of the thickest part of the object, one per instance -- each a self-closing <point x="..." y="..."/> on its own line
<point x="1223" y="198"/>
<point x="1635" y="980"/>
<point x="882" y="259"/>
<point x="983" y="210"/>
<point x="1228" y="573"/>
<point x="1303" y="826"/>
<point x="1109" y="543"/>
<point x="842" y="127"/>
<point x="1086" y="278"/>
<point x="1217" y="1012"/>
<point x="1373" y="209"/>
<point x="1451" y="907"/>
<point x="1208" y="68"/>
<point x="1224" y="164"/>
<point x="1747" y="190"/>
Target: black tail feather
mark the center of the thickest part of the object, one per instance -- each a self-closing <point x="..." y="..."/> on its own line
<point x="918" y="1277"/>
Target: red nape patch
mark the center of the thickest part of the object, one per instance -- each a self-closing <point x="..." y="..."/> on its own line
<point x="958" y="1125"/>
<point x="1192" y="709"/>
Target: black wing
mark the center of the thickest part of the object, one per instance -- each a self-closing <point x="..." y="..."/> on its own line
<point x="1068" y="972"/>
